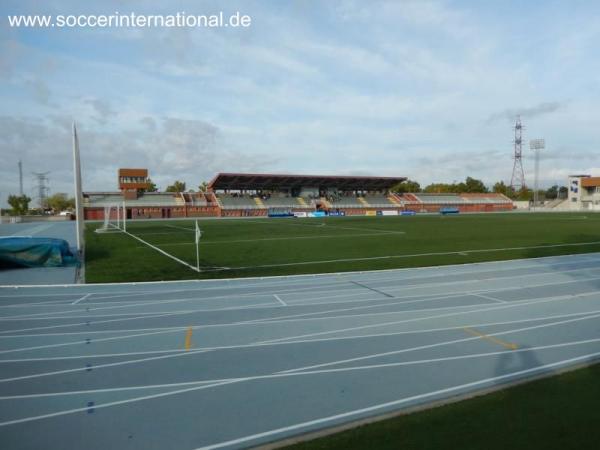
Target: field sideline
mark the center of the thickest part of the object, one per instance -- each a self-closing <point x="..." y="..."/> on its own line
<point x="265" y="247"/>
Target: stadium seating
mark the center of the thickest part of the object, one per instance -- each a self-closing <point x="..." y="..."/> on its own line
<point x="441" y="199"/>
<point x="282" y="202"/>
<point x="153" y="200"/>
<point x="379" y="201"/>
<point x="238" y="201"/>
<point x="346" y="202"/>
<point x="486" y="198"/>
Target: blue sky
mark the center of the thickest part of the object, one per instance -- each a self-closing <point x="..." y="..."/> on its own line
<point x="425" y="89"/>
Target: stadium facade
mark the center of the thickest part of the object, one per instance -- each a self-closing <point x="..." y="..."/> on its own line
<point x="584" y="193"/>
<point x="247" y="195"/>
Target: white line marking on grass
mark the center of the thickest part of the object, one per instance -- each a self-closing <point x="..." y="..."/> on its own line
<point x="414" y="255"/>
<point x="398" y="402"/>
<point x="279" y="300"/>
<point x="328" y="225"/>
<point x="81" y="299"/>
<point x="313" y="237"/>
<point x="178" y="227"/>
<point x="180" y="261"/>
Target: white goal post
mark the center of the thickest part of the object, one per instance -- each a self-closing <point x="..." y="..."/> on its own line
<point x="114" y="219"/>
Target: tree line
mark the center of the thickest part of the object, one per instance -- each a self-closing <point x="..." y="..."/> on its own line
<point x="55" y="203"/>
<point x="473" y="185"/>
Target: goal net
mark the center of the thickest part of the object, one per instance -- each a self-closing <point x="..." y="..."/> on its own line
<point x="114" y="220"/>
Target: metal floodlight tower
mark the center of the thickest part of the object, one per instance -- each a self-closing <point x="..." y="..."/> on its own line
<point x="536" y="145"/>
<point x="42" y="187"/>
<point x="517" y="181"/>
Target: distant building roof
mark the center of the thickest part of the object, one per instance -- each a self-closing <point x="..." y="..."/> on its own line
<point x="590" y="182"/>
<point x="250" y="181"/>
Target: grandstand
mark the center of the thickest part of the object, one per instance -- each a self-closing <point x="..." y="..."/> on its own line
<point x="243" y="195"/>
<point x="467" y="202"/>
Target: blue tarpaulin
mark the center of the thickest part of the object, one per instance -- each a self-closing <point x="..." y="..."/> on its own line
<point x="22" y="251"/>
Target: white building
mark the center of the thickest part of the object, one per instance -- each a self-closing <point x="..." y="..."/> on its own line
<point x="584" y="193"/>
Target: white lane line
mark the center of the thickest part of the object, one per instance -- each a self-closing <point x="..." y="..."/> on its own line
<point x="487" y="308"/>
<point x="300" y="369"/>
<point x="405" y="288"/>
<point x="32" y="230"/>
<point x="164" y="315"/>
<point x="439" y="316"/>
<point x="33" y="304"/>
<point x="398" y="402"/>
<point x="237" y="380"/>
<point x="512" y="305"/>
<point x="302" y="341"/>
<point x="489" y="298"/>
<point x="279" y="299"/>
<point x="81" y="299"/>
<point x="284" y="374"/>
<point x="422" y="347"/>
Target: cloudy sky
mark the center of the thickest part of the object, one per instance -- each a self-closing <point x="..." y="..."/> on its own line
<point x="425" y="89"/>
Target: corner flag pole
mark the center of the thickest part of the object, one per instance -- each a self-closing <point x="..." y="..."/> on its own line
<point x="198" y="236"/>
<point x="124" y="217"/>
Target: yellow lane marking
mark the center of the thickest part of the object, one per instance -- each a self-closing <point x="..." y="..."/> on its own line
<point x="188" y="338"/>
<point x="508" y="345"/>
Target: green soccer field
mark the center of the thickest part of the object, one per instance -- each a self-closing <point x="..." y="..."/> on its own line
<point x="263" y="247"/>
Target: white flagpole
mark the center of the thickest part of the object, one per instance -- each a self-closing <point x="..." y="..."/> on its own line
<point x="197" y="247"/>
<point x="124" y="217"/>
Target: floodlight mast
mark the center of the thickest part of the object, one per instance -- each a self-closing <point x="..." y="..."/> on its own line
<point x="536" y="145"/>
<point x="517" y="181"/>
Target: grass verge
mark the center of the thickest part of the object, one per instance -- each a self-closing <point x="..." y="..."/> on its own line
<point x="558" y="412"/>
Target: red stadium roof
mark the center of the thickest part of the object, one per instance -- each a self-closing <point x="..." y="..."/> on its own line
<point x="252" y="181"/>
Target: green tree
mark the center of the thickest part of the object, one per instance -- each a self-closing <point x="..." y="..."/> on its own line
<point x="474" y="185"/>
<point x="440" y="188"/>
<point x="178" y="186"/>
<point x="151" y="187"/>
<point x="524" y="194"/>
<point x="552" y="192"/>
<point x="60" y="202"/>
<point x="19" y="204"/>
<point x="563" y="192"/>
<point x="407" y="186"/>
<point x="203" y="186"/>
<point x="500" y="188"/>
